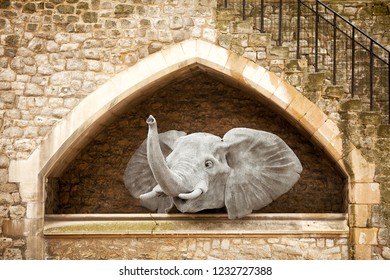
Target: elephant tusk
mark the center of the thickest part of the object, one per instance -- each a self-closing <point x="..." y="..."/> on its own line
<point x="192" y="195"/>
<point x="155" y="192"/>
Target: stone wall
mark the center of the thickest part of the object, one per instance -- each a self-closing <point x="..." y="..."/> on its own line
<point x="198" y="248"/>
<point x="53" y="53"/>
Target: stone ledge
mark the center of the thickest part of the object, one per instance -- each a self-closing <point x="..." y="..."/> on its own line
<point x="333" y="225"/>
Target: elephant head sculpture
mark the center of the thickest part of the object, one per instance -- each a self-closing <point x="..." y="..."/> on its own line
<point x="244" y="171"/>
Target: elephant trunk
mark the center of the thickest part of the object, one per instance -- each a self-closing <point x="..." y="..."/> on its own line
<point x="170" y="183"/>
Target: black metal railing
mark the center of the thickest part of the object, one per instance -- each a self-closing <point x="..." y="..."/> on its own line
<point x="329" y="42"/>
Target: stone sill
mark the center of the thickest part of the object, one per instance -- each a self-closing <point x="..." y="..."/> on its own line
<point x="160" y="225"/>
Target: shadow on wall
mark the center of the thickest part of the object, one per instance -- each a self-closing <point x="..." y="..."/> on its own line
<point x="93" y="182"/>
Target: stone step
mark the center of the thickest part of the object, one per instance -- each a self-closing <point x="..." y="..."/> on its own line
<point x="384" y="131"/>
<point x="351" y="104"/>
<point x="295" y="66"/>
<point x="334" y="92"/>
<point x="371" y="117"/>
<point x="314" y="81"/>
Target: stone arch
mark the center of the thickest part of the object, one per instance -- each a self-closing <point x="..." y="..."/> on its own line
<point x="158" y="69"/>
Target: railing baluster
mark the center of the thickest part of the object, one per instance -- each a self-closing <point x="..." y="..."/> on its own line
<point x="298" y="28"/>
<point x="371" y="74"/>
<point x="388" y="84"/>
<point x="334" y="48"/>
<point x="280" y="22"/>
<point x="262" y="16"/>
<point x="243" y="10"/>
<point x="316" y="38"/>
<point x="226" y="3"/>
<point x="353" y="62"/>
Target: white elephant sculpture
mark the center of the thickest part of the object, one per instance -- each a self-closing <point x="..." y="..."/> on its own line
<point x="244" y="171"/>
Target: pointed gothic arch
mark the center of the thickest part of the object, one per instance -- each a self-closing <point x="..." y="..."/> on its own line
<point x="91" y="114"/>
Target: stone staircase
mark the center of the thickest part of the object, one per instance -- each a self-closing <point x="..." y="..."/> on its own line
<point x="241" y="33"/>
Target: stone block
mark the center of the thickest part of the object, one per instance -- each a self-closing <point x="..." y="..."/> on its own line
<point x="295" y="65"/>
<point x="226" y="14"/>
<point x="5" y="243"/>
<point x="334" y="92"/>
<point x="276" y="52"/>
<point x="351" y="105"/>
<point x="314" y="81"/>
<point x="236" y="65"/>
<point x="29" y="8"/>
<point x="4" y="211"/>
<point x="7" y="75"/>
<point x="364" y="193"/>
<point x="3" y="176"/>
<point x="268" y="84"/>
<point x="4" y="162"/>
<point x="299" y="107"/>
<point x="252" y="74"/>
<point x="259" y="40"/>
<point x="225" y="40"/>
<point x="313" y="119"/>
<point x="359" y="169"/>
<point x="359" y="215"/>
<point x="371" y="118"/>
<point x="284" y="95"/>
<point x="17" y="212"/>
<point x="219" y="58"/>
<point x="13" y="254"/>
<point x="123" y="10"/>
<point x="384" y="131"/>
<point x="383" y="236"/>
<point x="12" y="40"/>
<point x="35" y="210"/>
<point x="364" y="236"/>
<point x="33" y="90"/>
<point x="65" y="9"/>
<point x="36" y="44"/>
<point x="386" y="253"/>
<point x="6" y="199"/>
<point x="9" y="188"/>
<point x="326" y="133"/>
<point x="361" y="252"/>
<point x="90" y="17"/>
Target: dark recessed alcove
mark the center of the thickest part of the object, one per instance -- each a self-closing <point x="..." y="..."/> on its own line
<point x="92" y="183"/>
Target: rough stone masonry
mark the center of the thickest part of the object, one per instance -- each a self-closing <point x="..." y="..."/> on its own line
<point x="53" y="53"/>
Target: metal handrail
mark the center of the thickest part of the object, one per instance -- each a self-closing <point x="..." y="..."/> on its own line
<point x="354" y="43"/>
<point x="342" y="31"/>
<point x="338" y="16"/>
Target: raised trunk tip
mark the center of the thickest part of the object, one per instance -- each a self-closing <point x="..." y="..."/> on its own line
<point x="169" y="182"/>
<point x="151" y="120"/>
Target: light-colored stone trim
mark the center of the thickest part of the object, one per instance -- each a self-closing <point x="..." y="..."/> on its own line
<point x="255" y="225"/>
<point x="157" y="70"/>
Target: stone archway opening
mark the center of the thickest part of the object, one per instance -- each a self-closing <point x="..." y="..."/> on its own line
<point x="153" y="74"/>
<point x="196" y="101"/>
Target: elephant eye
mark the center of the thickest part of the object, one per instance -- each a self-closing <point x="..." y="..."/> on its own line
<point x="208" y="164"/>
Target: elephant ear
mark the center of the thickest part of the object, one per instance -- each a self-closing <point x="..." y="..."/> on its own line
<point x="138" y="176"/>
<point x="263" y="168"/>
